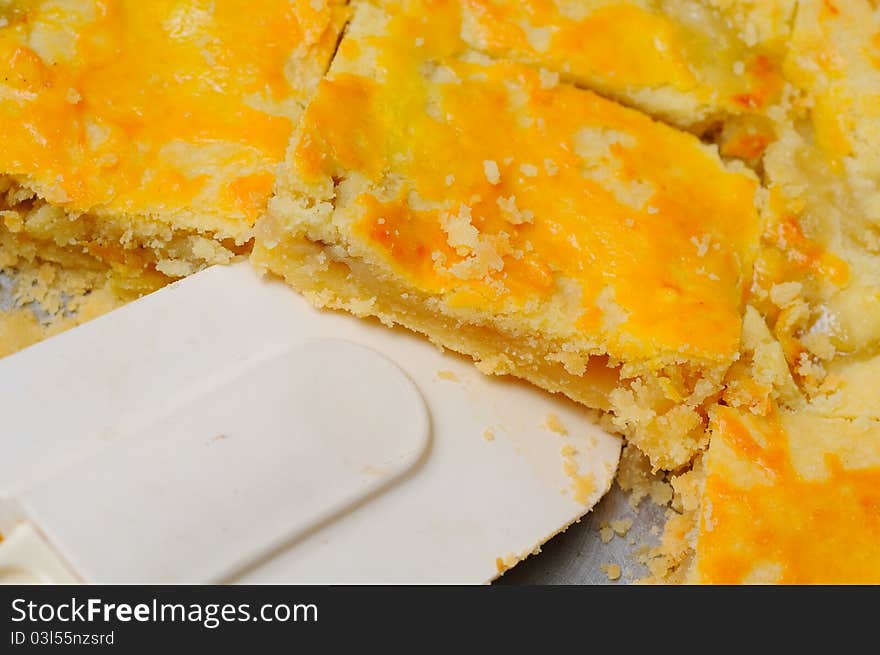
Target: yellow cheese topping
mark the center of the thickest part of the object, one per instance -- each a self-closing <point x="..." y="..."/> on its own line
<point x="500" y="187"/>
<point x="621" y="41"/>
<point x="628" y="48"/>
<point x="129" y="106"/>
<point x="820" y="62"/>
<point x="787" y="254"/>
<point x="791" y="498"/>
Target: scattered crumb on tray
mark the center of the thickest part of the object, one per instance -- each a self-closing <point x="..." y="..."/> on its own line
<point x="606" y="534"/>
<point x="612" y="571"/>
<point x="621" y="526"/>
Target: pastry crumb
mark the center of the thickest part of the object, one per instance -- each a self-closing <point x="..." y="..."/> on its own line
<point x="503" y="564"/>
<point x="582" y="484"/>
<point x="554" y="424"/>
<point x="621" y="526"/>
<point x="611" y="570"/>
<point x="636" y="477"/>
<point x="606" y="533"/>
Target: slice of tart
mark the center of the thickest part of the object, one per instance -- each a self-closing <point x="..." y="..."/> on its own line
<point x="545" y="231"/>
<point x="818" y="274"/>
<point x="792" y="492"/>
<point x="141" y="138"/>
<point x="790" y="497"/>
<point x="694" y="63"/>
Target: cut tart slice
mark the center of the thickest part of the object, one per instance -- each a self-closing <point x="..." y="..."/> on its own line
<point x="545" y="231"/>
<point x="790" y="497"/>
<point x="694" y="63"/>
<point x="793" y="468"/>
<point x="818" y="274"/>
<point x="141" y="138"/>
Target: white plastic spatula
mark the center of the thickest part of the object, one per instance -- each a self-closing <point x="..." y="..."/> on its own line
<point x="222" y="430"/>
